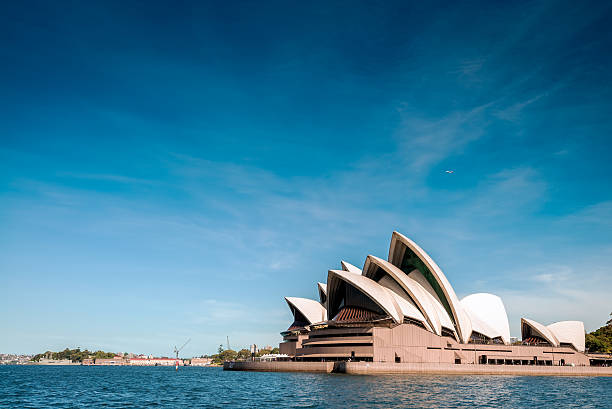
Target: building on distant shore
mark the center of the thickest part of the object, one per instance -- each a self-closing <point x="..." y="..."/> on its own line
<point x="46" y="361"/>
<point x="117" y="360"/>
<point x="201" y="361"/>
<point x="404" y="310"/>
<point x="164" y="361"/>
<point x="15" y="359"/>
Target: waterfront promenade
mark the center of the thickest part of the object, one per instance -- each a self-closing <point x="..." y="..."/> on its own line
<point x="376" y="368"/>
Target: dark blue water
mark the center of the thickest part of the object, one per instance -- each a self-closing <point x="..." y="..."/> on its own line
<point x="124" y="387"/>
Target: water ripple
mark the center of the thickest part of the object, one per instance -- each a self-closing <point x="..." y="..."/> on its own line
<point x="162" y="387"/>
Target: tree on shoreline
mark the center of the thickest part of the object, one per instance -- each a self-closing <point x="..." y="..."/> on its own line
<point x="74" y="355"/>
<point x="600" y="340"/>
<point x="242" y="355"/>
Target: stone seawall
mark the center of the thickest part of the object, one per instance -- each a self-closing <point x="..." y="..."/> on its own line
<point x="370" y="368"/>
<point x="279" y="366"/>
<point x="374" y="368"/>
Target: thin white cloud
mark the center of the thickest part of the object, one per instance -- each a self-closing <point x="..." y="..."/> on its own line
<point x="425" y="142"/>
<point x="106" y="177"/>
<point x="599" y="214"/>
<point x="514" y="111"/>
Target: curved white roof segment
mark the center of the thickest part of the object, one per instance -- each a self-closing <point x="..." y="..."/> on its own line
<point x="420" y="278"/>
<point x="396" y="251"/>
<point x="488" y="315"/>
<point x="445" y="319"/>
<point x="322" y="287"/>
<point x="409" y="309"/>
<point x="377" y="293"/>
<point x="312" y="310"/>
<point x="349" y="267"/>
<point x="539" y="330"/>
<point x="569" y="332"/>
<point x="433" y="311"/>
<point x="482" y="327"/>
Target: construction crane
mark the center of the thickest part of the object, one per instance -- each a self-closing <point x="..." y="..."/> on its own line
<point x="177" y="350"/>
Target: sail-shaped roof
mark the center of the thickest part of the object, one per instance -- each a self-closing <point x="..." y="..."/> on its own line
<point x="409" y="310"/>
<point x="349" y="267"/>
<point x="531" y="327"/>
<point x="488" y="315"/>
<point x="322" y="287"/>
<point x="433" y="312"/>
<point x="407" y="255"/>
<point x="375" y="292"/>
<point x="569" y="332"/>
<point x="312" y="310"/>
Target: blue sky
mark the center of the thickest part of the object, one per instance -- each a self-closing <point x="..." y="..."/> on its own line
<point x="172" y="170"/>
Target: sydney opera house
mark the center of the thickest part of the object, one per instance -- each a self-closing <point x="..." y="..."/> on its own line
<point x="404" y="310"/>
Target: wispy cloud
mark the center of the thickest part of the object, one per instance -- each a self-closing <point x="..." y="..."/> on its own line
<point x="106" y="177"/>
<point x="596" y="214"/>
<point x="513" y="112"/>
<point x="508" y="191"/>
<point x="553" y="275"/>
<point x="426" y="142"/>
<point x="470" y="67"/>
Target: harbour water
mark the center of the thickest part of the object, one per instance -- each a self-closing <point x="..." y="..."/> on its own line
<point x="122" y="387"/>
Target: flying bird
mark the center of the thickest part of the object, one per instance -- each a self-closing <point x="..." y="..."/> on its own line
<point x="449" y="171"/>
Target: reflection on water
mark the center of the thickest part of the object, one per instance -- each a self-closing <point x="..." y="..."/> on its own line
<point x="39" y="386"/>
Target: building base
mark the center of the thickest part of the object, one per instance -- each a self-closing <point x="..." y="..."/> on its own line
<point x="381" y="368"/>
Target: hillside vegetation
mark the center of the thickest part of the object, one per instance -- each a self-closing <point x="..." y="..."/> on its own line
<point x="242" y="355"/>
<point x="75" y="355"/>
<point x="600" y="340"/>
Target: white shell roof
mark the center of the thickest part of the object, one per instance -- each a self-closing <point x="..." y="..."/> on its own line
<point x="371" y="288"/>
<point x="420" y="278"/>
<point x="409" y="309"/>
<point x="488" y="315"/>
<point x="464" y="326"/>
<point x="571" y="332"/>
<point x="350" y="268"/>
<point x="433" y="311"/>
<point x="541" y="330"/>
<point x="411" y="295"/>
<point x="445" y="320"/>
<point x="480" y="326"/>
<point x="312" y="310"/>
<point x="322" y="287"/>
